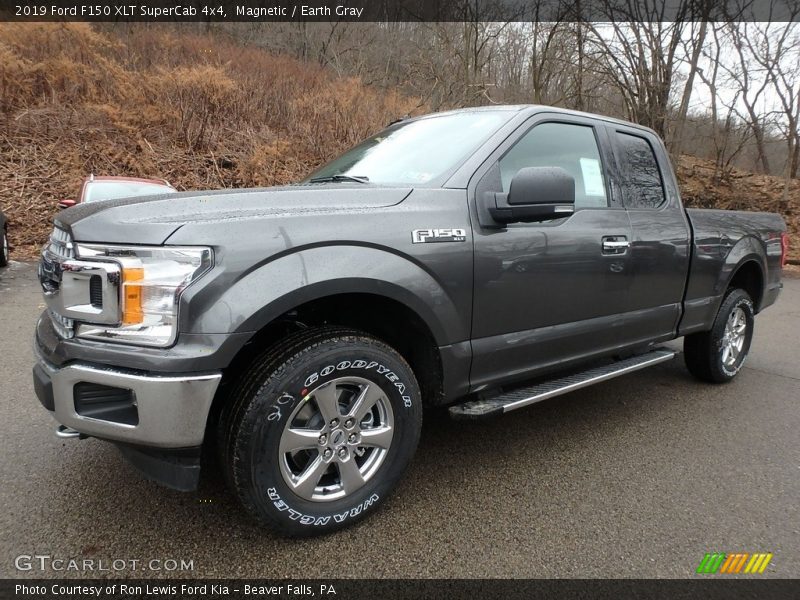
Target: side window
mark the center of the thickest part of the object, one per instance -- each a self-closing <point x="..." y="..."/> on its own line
<point x="571" y="147"/>
<point x="643" y="187"/>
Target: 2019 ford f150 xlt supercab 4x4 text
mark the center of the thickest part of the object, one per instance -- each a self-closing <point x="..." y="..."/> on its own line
<point x="483" y="259"/>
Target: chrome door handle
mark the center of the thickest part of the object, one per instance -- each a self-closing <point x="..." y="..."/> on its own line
<point x="615" y="245"/>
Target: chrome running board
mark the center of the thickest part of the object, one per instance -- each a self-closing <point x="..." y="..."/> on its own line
<point x="517" y="398"/>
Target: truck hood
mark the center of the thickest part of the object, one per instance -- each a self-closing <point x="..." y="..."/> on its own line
<point x="153" y="219"/>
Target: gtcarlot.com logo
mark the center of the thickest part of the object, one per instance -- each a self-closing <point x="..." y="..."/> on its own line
<point x="734" y="563"/>
<point x="47" y="562"/>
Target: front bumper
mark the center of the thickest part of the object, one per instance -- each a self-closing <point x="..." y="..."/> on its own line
<point x="171" y="411"/>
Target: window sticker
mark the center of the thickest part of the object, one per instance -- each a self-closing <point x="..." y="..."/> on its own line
<point x="592" y="177"/>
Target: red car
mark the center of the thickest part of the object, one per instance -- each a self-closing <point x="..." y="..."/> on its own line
<point x="95" y="189"/>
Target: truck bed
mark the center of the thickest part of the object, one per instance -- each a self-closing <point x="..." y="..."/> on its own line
<point x="723" y="240"/>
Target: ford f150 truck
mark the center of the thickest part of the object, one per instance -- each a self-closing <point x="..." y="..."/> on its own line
<point x="480" y="259"/>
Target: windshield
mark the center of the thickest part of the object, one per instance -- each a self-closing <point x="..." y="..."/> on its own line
<point x="417" y="151"/>
<point x="110" y="190"/>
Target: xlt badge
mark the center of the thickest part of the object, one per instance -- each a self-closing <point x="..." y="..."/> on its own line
<point x="426" y="236"/>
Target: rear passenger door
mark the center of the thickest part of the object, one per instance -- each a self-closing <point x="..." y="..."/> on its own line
<point x="659" y="252"/>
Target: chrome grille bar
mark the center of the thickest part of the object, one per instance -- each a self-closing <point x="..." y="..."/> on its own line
<point x="60" y="244"/>
<point x="63" y="326"/>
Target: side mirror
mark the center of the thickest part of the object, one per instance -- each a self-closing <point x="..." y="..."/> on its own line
<point x="66" y="203"/>
<point x="535" y="194"/>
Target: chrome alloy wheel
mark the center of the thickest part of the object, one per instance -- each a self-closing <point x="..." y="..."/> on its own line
<point x="5" y="247"/>
<point x="336" y="439"/>
<point x="734" y="337"/>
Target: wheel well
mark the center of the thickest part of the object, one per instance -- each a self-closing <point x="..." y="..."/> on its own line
<point x="749" y="278"/>
<point x="386" y="319"/>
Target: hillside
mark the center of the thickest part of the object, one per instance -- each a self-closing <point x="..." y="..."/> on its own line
<point x="200" y="112"/>
<point x="741" y="190"/>
<point x="204" y="113"/>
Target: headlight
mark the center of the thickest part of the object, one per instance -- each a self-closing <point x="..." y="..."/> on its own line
<point x="151" y="282"/>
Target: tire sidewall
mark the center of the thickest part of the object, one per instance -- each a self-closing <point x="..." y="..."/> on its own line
<point x="737" y="299"/>
<point x="4" y="260"/>
<point x="269" y="414"/>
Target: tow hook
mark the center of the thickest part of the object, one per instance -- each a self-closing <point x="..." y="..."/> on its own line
<point x="65" y="432"/>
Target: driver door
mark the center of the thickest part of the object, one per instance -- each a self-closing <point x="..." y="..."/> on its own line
<point x="552" y="292"/>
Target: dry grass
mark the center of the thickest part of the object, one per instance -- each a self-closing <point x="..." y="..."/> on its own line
<point x="206" y="113"/>
<point x="742" y="190"/>
<point x="199" y="111"/>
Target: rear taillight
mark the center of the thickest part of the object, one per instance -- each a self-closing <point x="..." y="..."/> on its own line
<point x="784" y="248"/>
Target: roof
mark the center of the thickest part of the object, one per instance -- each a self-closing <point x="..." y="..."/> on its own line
<point x="536" y="108"/>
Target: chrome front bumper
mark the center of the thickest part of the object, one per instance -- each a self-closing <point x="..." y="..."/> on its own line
<point x="172" y="410"/>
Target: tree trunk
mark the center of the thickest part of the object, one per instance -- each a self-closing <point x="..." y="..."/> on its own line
<point x="677" y="140"/>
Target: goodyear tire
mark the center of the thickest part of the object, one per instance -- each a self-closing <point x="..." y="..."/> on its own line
<point x="319" y="430"/>
<point x="717" y="355"/>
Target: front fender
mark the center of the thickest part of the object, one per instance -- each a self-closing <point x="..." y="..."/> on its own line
<point x="258" y="296"/>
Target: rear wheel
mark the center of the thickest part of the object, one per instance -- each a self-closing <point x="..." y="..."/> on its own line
<point x="718" y="355"/>
<point x="320" y="430"/>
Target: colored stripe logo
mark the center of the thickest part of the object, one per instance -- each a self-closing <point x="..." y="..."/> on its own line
<point x="735" y="563"/>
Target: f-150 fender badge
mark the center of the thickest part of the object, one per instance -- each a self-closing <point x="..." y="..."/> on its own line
<point x="428" y="236"/>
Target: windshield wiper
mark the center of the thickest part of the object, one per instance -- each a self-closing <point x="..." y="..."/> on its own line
<point x="341" y="177"/>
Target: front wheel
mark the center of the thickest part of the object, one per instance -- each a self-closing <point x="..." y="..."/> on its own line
<point x="718" y="355"/>
<point x="320" y="430"/>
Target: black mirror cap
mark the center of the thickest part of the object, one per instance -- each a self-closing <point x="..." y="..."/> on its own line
<point x="541" y="185"/>
<point x="535" y="194"/>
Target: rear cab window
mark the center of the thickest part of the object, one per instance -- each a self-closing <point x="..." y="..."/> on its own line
<point x="642" y="184"/>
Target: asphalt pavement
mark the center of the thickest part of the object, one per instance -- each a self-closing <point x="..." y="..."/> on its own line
<point x="636" y="477"/>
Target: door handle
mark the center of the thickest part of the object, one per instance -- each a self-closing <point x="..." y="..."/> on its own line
<point x="615" y="244"/>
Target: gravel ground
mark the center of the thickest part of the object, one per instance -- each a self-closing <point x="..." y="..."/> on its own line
<point x="636" y="477"/>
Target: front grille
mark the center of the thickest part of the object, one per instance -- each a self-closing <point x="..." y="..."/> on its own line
<point x="60" y="244"/>
<point x="76" y="289"/>
<point x="58" y="249"/>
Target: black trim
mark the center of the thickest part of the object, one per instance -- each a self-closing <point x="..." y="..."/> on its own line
<point x="43" y="387"/>
<point x="178" y="468"/>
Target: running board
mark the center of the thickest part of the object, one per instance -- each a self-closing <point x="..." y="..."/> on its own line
<point x="517" y="398"/>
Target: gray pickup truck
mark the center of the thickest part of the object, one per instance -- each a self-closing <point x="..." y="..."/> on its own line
<point x="480" y="259"/>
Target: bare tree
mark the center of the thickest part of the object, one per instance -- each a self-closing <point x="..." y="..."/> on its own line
<point x="750" y="77"/>
<point x="642" y="60"/>
<point x="727" y="139"/>
<point x="638" y="48"/>
<point x="693" y="50"/>
<point x="780" y="57"/>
